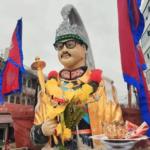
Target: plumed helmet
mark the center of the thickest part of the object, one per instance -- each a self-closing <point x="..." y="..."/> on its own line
<point x="73" y="27"/>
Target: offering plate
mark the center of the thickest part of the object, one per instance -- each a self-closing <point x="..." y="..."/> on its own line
<point x="118" y="144"/>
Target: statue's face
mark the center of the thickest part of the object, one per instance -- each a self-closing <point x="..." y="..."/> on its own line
<point x="72" y="58"/>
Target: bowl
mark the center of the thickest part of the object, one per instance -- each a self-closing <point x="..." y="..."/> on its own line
<point x="118" y="144"/>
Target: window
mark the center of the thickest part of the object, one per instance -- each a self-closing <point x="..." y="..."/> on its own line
<point x="148" y="76"/>
<point x="2" y="130"/>
<point x="32" y="102"/>
<point x="17" y="100"/>
<point x="148" y="56"/>
<point x="29" y="83"/>
<point x="6" y="99"/>
<point x="28" y="102"/>
<point x="148" y="8"/>
<point x="23" y="101"/>
<point x="148" y="32"/>
<point x="146" y="37"/>
<point x="12" y="99"/>
<point x="24" y="82"/>
<point x="146" y="11"/>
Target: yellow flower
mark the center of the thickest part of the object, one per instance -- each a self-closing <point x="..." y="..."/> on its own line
<point x="55" y="91"/>
<point x="87" y="88"/>
<point x="53" y="112"/>
<point x="67" y="132"/>
<point x="78" y="92"/>
<point x="83" y="94"/>
<point x="52" y="88"/>
<point x="69" y="94"/>
<point x="51" y="82"/>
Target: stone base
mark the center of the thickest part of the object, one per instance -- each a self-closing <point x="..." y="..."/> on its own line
<point x="22" y="148"/>
<point x="81" y="147"/>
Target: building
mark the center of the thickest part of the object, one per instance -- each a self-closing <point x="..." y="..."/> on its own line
<point x="29" y="87"/>
<point x="6" y="121"/>
<point x="145" y="40"/>
<point x="12" y="103"/>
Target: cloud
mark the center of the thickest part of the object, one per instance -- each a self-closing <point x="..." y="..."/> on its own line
<point x="42" y="18"/>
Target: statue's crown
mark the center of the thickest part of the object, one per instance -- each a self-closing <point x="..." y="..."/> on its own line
<point x="66" y="29"/>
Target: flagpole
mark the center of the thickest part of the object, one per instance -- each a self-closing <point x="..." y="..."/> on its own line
<point x="129" y="97"/>
<point x="21" y="102"/>
<point x="134" y="90"/>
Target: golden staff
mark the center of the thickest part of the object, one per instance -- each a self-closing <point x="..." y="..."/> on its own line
<point x="39" y="65"/>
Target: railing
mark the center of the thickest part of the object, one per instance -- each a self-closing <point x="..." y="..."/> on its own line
<point x="28" y="69"/>
<point x="34" y="72"/>
<point x="28" y="91"/>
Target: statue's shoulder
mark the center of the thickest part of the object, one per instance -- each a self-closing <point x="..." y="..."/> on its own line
<point x="105" y="83"/>
<point x="96" y="75"/>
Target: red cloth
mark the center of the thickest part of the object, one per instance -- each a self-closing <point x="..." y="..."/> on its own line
<point x="135" y="13"/>
<point x="14" y="53"/>
<point x="10" y="78"/>
<point x="127" y="47"/>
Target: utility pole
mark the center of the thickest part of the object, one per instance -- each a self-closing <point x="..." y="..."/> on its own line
<point x="129" y="97"/>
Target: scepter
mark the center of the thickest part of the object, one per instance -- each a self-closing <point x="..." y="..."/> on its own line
<point x="39" y="65"/>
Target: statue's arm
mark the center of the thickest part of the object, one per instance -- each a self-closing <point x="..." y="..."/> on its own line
<point x="37" y="137"/>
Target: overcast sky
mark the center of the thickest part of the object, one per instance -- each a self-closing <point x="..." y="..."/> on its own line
<point x="41" y="18"/>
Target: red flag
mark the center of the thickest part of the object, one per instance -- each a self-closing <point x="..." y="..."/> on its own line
<point x="11" y="76"/>
<point x="131" y="26"/>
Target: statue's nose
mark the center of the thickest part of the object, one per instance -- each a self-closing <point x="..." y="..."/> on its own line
<point x="64" y="49"/>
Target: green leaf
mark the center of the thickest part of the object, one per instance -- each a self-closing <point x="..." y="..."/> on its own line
<point x="61" y="147"/>
<point x="77" y="121"/>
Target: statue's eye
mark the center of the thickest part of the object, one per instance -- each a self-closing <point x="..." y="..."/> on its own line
<point x="59" y="46"/>
<point x="70" y="44"/>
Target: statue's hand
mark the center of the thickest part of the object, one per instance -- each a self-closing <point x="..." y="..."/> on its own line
<point x="48" y="127"/>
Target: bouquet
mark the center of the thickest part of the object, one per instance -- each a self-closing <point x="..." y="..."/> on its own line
<point x="67" y="105"/>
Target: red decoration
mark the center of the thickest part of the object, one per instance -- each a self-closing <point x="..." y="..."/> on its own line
<point x="62" y="101"/>
<point x="95" y="75"/>
<point x="52" y="73"/>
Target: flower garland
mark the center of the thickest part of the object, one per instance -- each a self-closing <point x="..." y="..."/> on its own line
<point x="66" y="100"/>
<point x="83" y="93"/>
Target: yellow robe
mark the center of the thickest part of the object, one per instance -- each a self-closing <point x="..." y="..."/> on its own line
<point x="99" y="110"/>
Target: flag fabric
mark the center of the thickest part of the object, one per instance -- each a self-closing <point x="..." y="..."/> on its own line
<point x="131" y="27"/>
<point x="11" y="76"/>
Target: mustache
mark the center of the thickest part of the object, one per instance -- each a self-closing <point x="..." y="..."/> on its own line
<point x="65" y="53"/>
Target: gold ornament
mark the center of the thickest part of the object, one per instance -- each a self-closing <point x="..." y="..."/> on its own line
<point x="69" y="85"/>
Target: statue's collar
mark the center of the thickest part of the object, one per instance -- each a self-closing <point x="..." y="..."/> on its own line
<point x="81" y="74"/>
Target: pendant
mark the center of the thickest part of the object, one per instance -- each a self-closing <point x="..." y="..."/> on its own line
<point x="96" y="97"/>
<point x="61" y="83"/>
<point x="69" y="85"/>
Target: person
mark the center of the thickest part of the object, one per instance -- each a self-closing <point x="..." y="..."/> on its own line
<point x="75" y="54"/>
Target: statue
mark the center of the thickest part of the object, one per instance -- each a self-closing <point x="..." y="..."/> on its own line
<point x="78" y="83"/>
